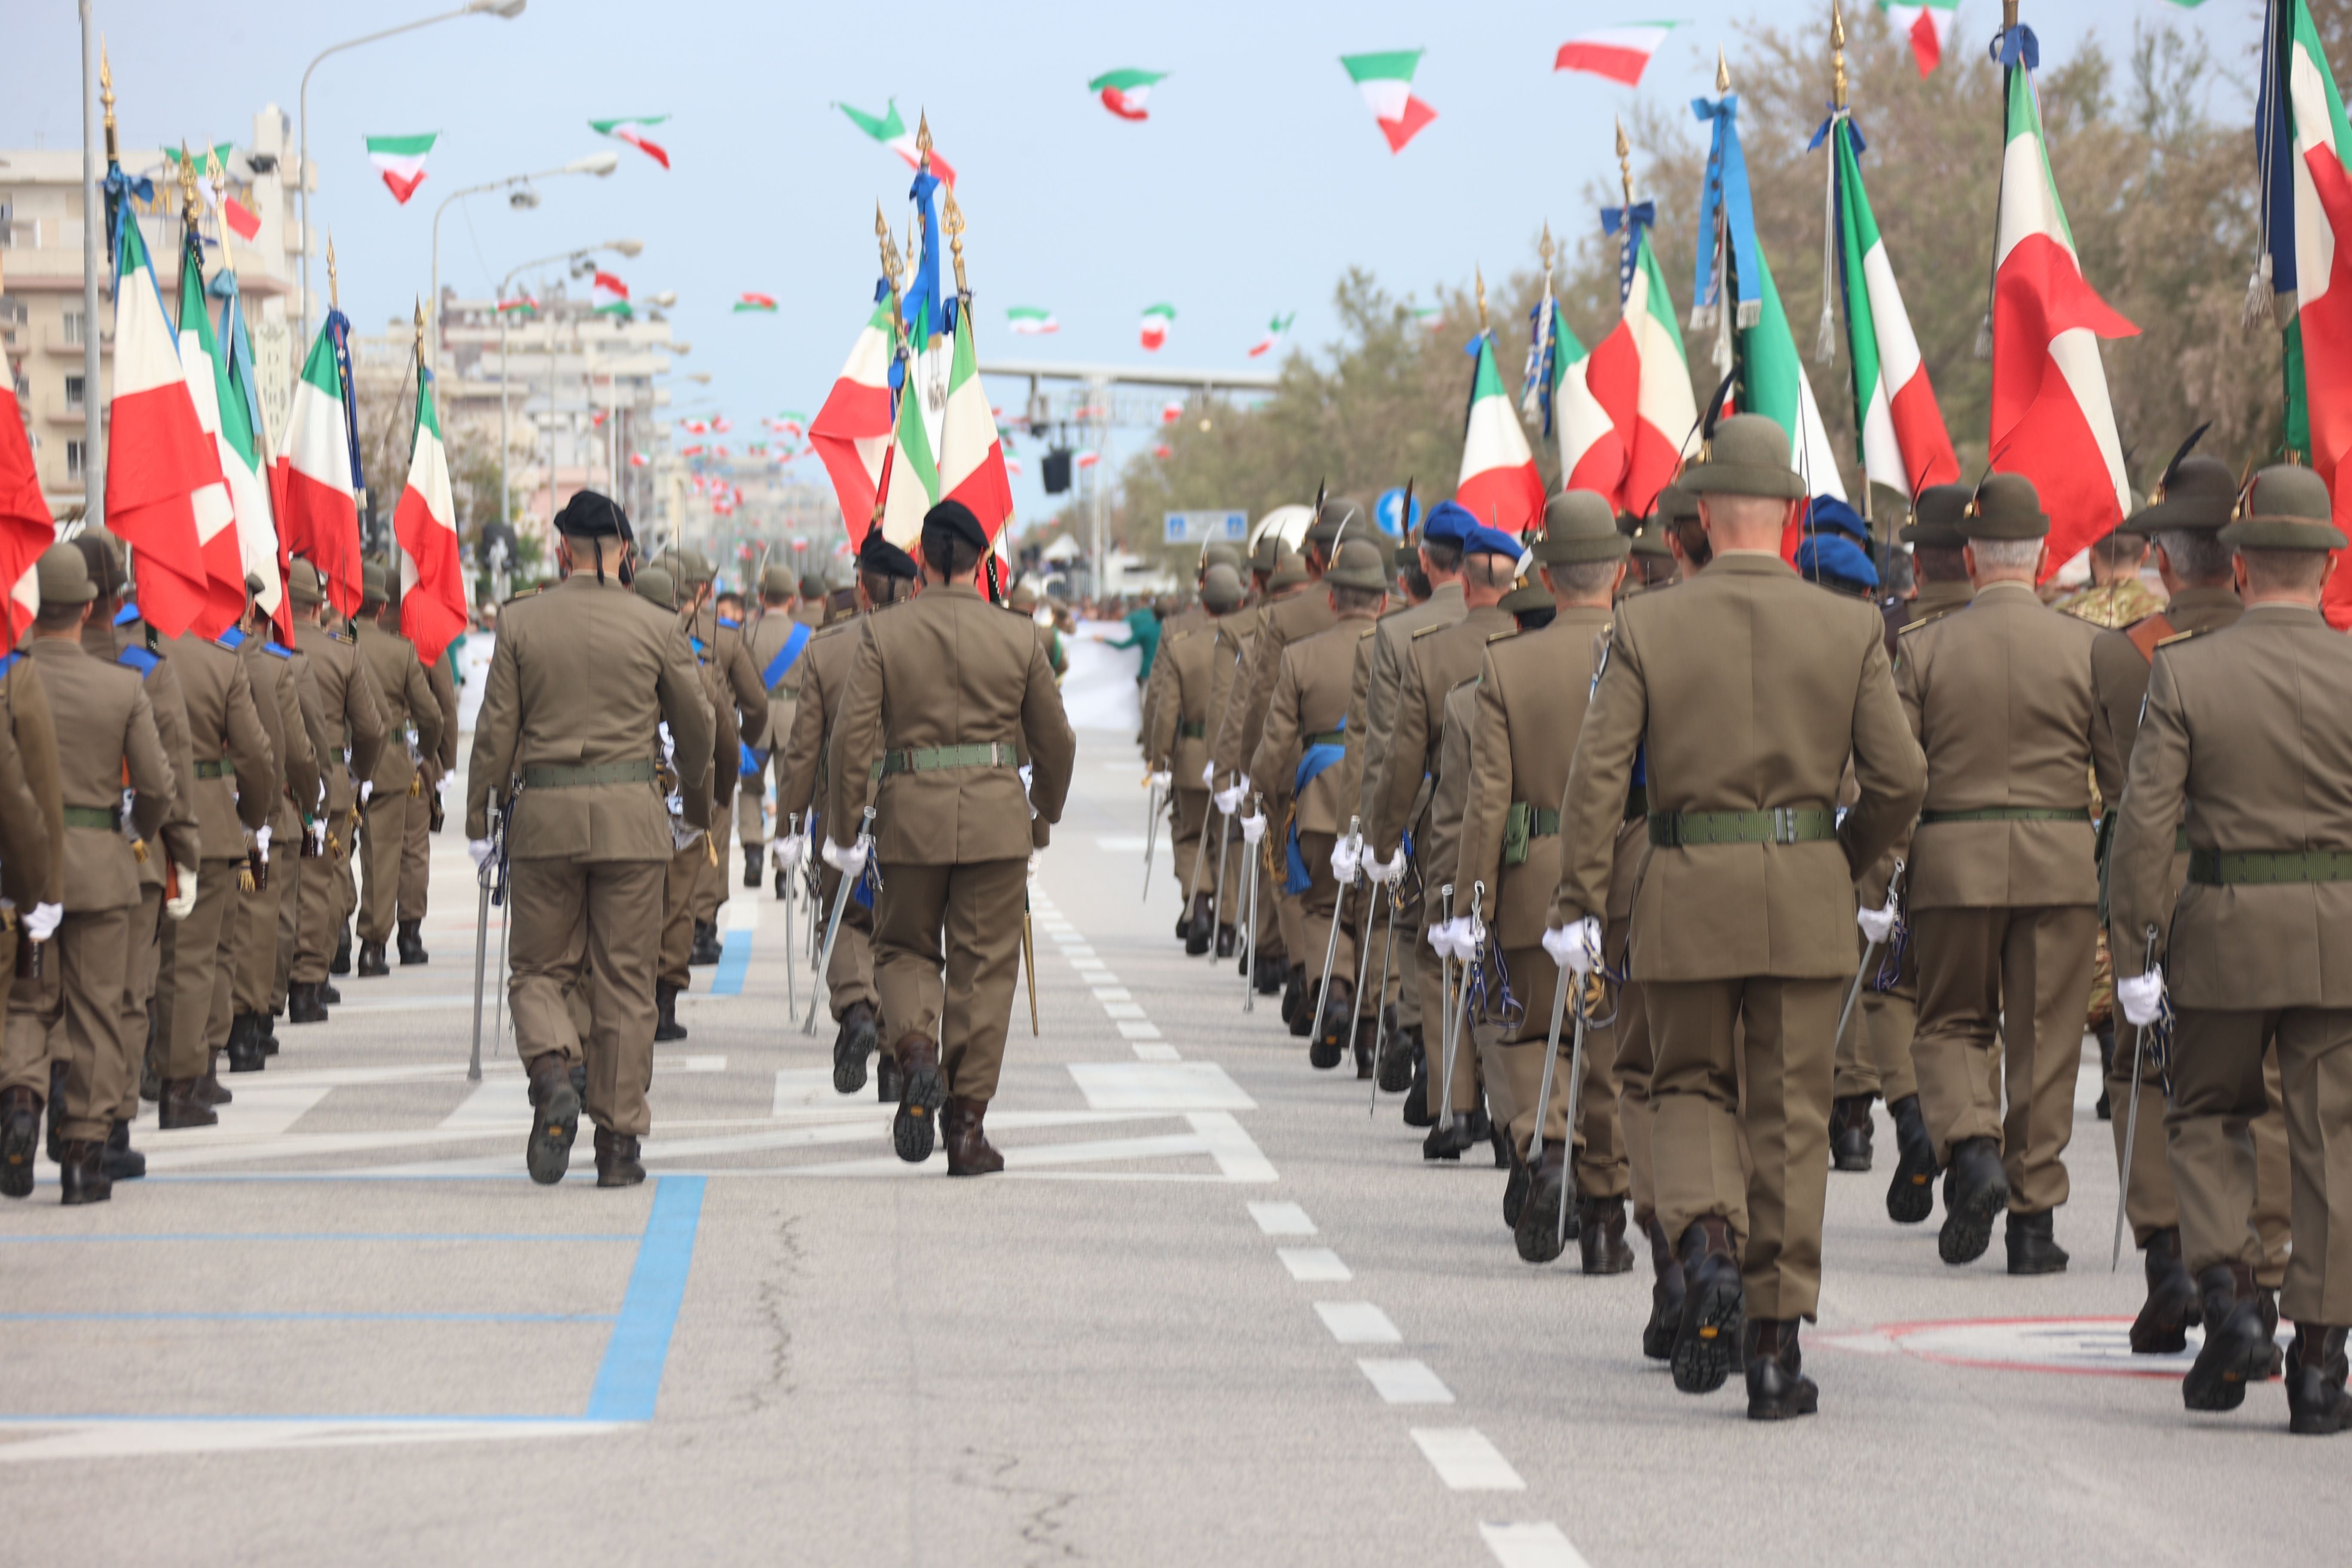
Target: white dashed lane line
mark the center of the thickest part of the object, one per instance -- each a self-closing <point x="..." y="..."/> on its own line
<point x="1539" y="1545"/>
<point x="1406" y="1382"/>
<point x="1314" y="1265"/>
<point x="1358" y="1323"/>
<point x="1282" y="1219"/>
<point x="1466" y="1461"/>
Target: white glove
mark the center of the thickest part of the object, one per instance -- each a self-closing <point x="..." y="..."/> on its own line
<point x="367" y="788"/>
<point x="1229" y="801"/>
<point x="2142" y="996"/>
<point x="849" y="861"/>
<point x="1347" y="859"/>
<point x="1458" y="939"/>
<point x="1208" y="776"/>
<point x="1253" y="828"/>
<point x="261" y="842"/>
<point x="1575" y="947"/>
<point x="181" y="908"/>
<point x="1383" y="873"/>
<point x="1162" y="781"/>
<point x="42" y="923"/>
<point x="1876" y="925"/>
<point x="317" y="829"/>
<point x="480" y="848"/>
<point x="790" y="851"/>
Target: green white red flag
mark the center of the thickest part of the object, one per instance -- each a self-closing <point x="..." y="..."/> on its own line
<point x="1277" y="330"/>
<point x="971" y="452"/>
<point x="1638" y="374"/>
<point x="852" y="432"/>
<point x="400" y="160"/>
<point x="1386" y="81"/>
<point x="26" y="528"/>
<point x="1031" y="322"/>
<point x="432" y="568"/>
<point x="632" y="130"/>
<point x="215" y="507"/>
<point x="243" y="467"/>
<point x="892" y="132"/>
<point x="1620" y="53"/>
<point x="1499" y="483"/>
<point x="911" y="476"/>
<point x="312" y="480"/>
<point x="609" y="295"/>
<point x="1123" y="92"/>
<point x="1157" y="319"/>
<point x="1592" y="453"/>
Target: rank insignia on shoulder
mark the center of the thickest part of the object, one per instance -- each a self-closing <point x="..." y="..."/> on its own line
<point x="1421" y="632"/>
<point x="2181" y="636"/>
<point x="1506" y="632"/>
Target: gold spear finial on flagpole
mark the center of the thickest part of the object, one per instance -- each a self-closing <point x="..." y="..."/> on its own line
<point x="420" y="332"/>
<point x="216" y="177"/>
<point x="1722" y="71"/>
<point x="890" y="269"/>
<point x="923" y="138"/>
<point x="1837" y="56"/>
<point x="106" y="96"/>
<point x="335" y="295"/>
<point x="953" y="222"/>
<point x="1625" y="166"/>
<point x="1480" y="276"/>
<point x="191" y="206"/>
<point x="1546" y="249"/>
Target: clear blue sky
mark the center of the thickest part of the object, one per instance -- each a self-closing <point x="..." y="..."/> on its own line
<point x="1258" y="179"/>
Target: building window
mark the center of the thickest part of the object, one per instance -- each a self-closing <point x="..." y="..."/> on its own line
<point x="75" y="388"/>
<point x="75" y="461"/>
<point x="73" y="323"/>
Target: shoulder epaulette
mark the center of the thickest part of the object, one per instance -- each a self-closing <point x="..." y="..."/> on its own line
<point x="344" y="635"/>
<point x="521" y="593"/>
<point x="1506" y="632"/>
<point x="278" y="648"/>
<point x="1421" y="632"/>
<point x="231" y="639"/>
<point x="139" y="660"/>
<point x="1923" y="621"/>
<point x="1372" y="630"/>
<point x="128" y="613"/>
<point x="2182" y="636"/>
<point x="8" y="660"/>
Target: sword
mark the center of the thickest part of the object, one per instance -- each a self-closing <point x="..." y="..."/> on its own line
<point x="1251" y="862"/>
<point x="2131" y="1117"/>
<point x="1150" y="837"/>
<point x="792" y="982"/>
<point x="833" y="926"/>
<point x="481" y="953"/>
<point x="1364" y="957"/>
<point x="1332" y="948"/>
<point x="1217" y="905"/>
<point x="1458" y="1013"/>
<point x="1380" y="1028"/>
<point x="1029" y="959"/>
<point x="1869" y="950"/>
<point x="1551" y="1057"/>
<point x="1568" y="1131"/>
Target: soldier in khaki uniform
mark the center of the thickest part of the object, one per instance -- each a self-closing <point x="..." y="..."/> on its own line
<point x="1234" y="632"/>
<point x="2003" y="889"/>
<point x="1532" y="690"/>
<point x="1746" y="690"/>
<point x="584" y="676"/>
<point x="745" y="723"/>
<point x="355" y="724"/>
<point x="2247" y="742"/>
<point x="412" y="718"/>
<point x="690" y="851"/>
<point x="32" y="880"/>
<point x="775" y="643"/>
<point x="1438" y="657"/>
<point x="949" y="701"/>
<point x="811" y="610"/>
<point x="1300" y="766"/>
<point x="424" y="807"/>
<point x="1185" y="674"/>
<point x="76" y="992"/>
<point x="269" y="667"/>
<point x="885" y="576"/>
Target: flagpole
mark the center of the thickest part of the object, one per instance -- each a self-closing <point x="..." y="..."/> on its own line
<point x="94" y="230"/>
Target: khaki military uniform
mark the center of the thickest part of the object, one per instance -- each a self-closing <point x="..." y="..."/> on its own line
<point x="584" y="676"/>
<point x="412" y="718"/>
<point x="745" y="696"/>
<point x="269" y="668"/>
<point x="1177" y="742"/>
<point x="2003" y="889"/>
<point x="437" y="764"/>
<point x="2244" y="741"/>
<point x="776" y="645"/>
<point x="947" y="697"/>
<point x="1235" y="634"/>
<point x="355" y="724"/>
<point x="32" y="867"/>
<point x="688" y="861"/>
<point x="1296" y="616"/>
<point x="1746" y="689"/>
<point x="802" y="778"/>
<point x="1477" y="1054"/>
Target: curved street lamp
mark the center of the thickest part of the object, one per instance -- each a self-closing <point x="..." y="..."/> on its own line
<point x="619" y="247"/>
<point x="597" y="164"/>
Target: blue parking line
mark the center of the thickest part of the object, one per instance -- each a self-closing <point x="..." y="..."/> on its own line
<point x="417" y="1235"/>
<point x="734" y="958"/>
<point x="629" y="1381"/>
<point x="307" y="1318"/>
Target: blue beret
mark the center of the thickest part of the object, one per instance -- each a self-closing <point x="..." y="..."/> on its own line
<point x="1834" y="558"/>
<point x="1448" y="524"/>
<point x="1481" y="540"/>
<point x="1827" y="514"/>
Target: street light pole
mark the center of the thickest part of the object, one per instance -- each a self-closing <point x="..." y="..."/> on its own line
<point x="620" y="246"/>
<point x="505" y="10"/>
<point x="93" y="226"/>
<point x="597" y="164"/>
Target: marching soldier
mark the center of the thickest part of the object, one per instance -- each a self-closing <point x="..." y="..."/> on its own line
<point x="776" y="643"/>
<point x="745" y="724"/>
<point x="78" y="991"/>
<point x="1532" y="690"/>
<point x="885" y="576"/>
<point x="1746" y="690"/>
<point x="1437" y="657"/>
<point x="2002" y="885"/>
<point x="1185" y="675"/>
<point x="812" y="610"/>
<point x="584" y="676"/>
<point x="425" y="811"/>
<point x="32" y="881"/>
<point x="412" y="716"/>
<point x="1300" y="766"/>
<point x="690" y="852"/>
<point x="2246" y="741"/>
<point x="2115" y="596"/>
<point x="268" y="668"/>
<point x="1190" y="618"/>
<point x="347" y="697"/>
<point x="1234" y="634"/>
<point x="948" y="701"/>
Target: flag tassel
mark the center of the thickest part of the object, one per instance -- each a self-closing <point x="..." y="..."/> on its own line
<point x="2259" y="314"/>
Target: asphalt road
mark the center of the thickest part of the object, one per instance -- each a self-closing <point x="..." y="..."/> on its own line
<point x="1213" y="1313"/>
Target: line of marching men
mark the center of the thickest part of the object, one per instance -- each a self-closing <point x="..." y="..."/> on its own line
<point x="181" y="816"/>
<point x="1518" y="779"/>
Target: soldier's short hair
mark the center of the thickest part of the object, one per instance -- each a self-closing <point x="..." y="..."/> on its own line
<point x="2119" y="547"/>
<point x="2006" y="554"/>
<point x="1582" y="579"/>
<point x="2290" y="570"/>
<point x="2198" y="555"/>
<point x="1416" y="582"/>
<point x="1441" y="557"/>
<point x="1490" y="571"/>
<point x="1938" y="563"/>
<point x="1347" y="600"/>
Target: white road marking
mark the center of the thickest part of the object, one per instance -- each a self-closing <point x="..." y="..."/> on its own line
<point x="114" y="1439"/>
<point x="798" y="1088"/>
<point x="740" y="914"/>
<point x="1537" y="1545"/>
<point x="1406" y="1382"/>
<point x="1156" y="1051"/>
<point x="1134" y="1030"/>
<point x="1282" y="1219"/>
<point x="1313" y="1264"/>
<point x="1237" y="1156"/>
<point x="1111" y="993"/>
<point x="1466" y="1461"/>
<point x="1358" y="1323"/>
<point x="1122" y="1010"/>
<point x="1175" y="1086"/>
<point x="501" y="1102"/>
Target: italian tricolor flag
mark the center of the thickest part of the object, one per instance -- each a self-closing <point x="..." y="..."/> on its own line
<point x="892" y="132"/>
<point x="312" y="480"/>
<point x="215" y="508"/>
<point x="1030" y="321"/>
<point x="2302" y="135"/>
<point x="1929" y="25"/>
<point x="1499" y="484"/>
<point x="1386" y="81"/>
<point x="1772" y="381"/>
<point x="432" y="570"/>
<point x="632" y="130"/>
<point x="971" y="453"/>
<point x="25" y="527"/>
<point x="1621" y="54"/>
<point x="765" y="303"/>
<point x="610" y="294"/>
<point x="1157" y="319"/>
<point x="910" y="475"/>
<point x="1904" y="443"/>
<point x="1592" y="453"/>
<point x="1277" y="330"/>
<point x="2051" y="421"/>
<point x="1639" y="377"/>
<point x="400" y="160"/>
<point x="1123" y="91"/>
<point x="852" y="432"/>
<point x="240" y="457"/>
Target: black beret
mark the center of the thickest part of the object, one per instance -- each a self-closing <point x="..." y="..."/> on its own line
<point x="951" y="516"/>
<point x="882" y="558"/>
<point x="588" y="515"/>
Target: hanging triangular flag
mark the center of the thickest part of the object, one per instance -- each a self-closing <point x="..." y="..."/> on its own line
<point x="632" y="130"/>
<point x="1927" y="23"/>
<point x="764" y="302"/>
<point x="1029" y="322"/>
<point x="1620" y="53"/>
<point x="432" y="568"/>
<point x="314" y="481"/>
<point x="1157" y="319"/>
<point x="610" y="295"/>
<point x="1123" y="91"/>
<point x="892" y="132"/>
<point x="1386" y="81"/>
<point x="1277" y="330"/>
<point x="400" y="160"/>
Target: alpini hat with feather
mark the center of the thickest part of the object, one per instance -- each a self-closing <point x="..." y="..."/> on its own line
<point x="2286" y="507"/>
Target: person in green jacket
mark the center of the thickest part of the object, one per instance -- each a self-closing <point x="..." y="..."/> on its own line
<point x="1143" y="632"/>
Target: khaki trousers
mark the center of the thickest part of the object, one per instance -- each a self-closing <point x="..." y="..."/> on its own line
<point x="849" y="975"/>
<point x="1600" y="1165"/>
<point x="677" y="948"/>
<point x="1188" y="814"/>
<point x="2026" y="974"/>
<point x="1873" y="1054"/>
<point x="750" y="801"/>
<point x="1244" y="863"/>
<point x="2149" y="1200"/>
<point x="346" y="859"/>
<point x="2218" y="1092"/>
<point x="1758" y="1158"/>
<point x="416" y="853"/>
<point x="256" y="956"/>
<point x="592" y="926"/>
<point x="947" y="955"/>
<point x="319" y="905"/>
<point x="72" y="1013"/>
<point x="142" y="962"/>
<point x="384" y="840"/>
<point x="196" y="1010"/>
<point x="709" y="889"/>
<point x="1317" y="906"/>
<point x="1444" y="1012"/>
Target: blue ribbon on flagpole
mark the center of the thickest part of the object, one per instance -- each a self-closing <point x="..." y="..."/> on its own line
<point x="924" y="304"/>
<point x="1724" y="196"/>
<point x="2015" y="44"/>
<point x="1627" y="225"/>
<point x="1821" y="133"/>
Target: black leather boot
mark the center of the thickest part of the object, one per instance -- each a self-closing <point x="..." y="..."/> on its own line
<point x="885" y="1078"/>
<point x="1470" y="1130"/>
<point x="858" y="1036"/>
<point x="1334" y="1023"/>
<point x="342" y="963"/>
<point x="1297" y="1007"/>
<point x="1714" y="1307"/>
<point x="2237" y="1350"/>
<point x="409" y="939"/>
<point x="53" y="1142"/>
<point x="1416" y="1095"/>
<point x="266" y="1031"/>
<point x="1200" y="927"/>
<point x="1911" y="1195"/>
<point x="1272" y="972"/>
<point x="2316" y="1405"/>
<point x="2171" y="1308"/>
<point x="2033" y="1244"/>
<point x="120" y="1161"/>
<point x="183" y="1105"/>
<point x="1393" y="1066"/>
<point x="82" y="1175"/>
<point x="210" y="1086"/>
<point x="752" y="865"/>
<point x="1366" y="1028"/>
<point x="922" y="1091"/>
<point x="1515" y="1192"/>
<point x="1778" y="1388"/>
<point x="1849" y="1131"/>
<point x="20" y="1135"/>
<point x="244" y="1045"/>
<point x="616" y="1160"/>
<point x="665" y="1025"/>
<point x="303" y="1005"/>
<point x="371" y="963"/>
<point x="1600" y="1231"/>
<point x="554" y="1120"/>
<point x="1975" y="1190"/>
<point x="969" y="1153"/>
<point x="1540" y="1231"/>
<point x="328" y="994"/>
<point x="1665" y="1294"/>
<point x="706" y="950"/>
<point x="1229" y="942"/>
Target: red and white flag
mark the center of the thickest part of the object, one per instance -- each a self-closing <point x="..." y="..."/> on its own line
<point x="312" y="483"/>
<point x="852" y="432"/>
<point x="25" y="526"/>
<point x="1620" y="53"/>
<point x="432" y="568"/>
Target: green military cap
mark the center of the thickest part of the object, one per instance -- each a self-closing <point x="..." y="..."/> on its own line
<point x="1747" y="455"/>
<point x="2006" y="506"/>
<point x="2286" y="508"/>
<point x="1357" y="564"/>
<point x="1525" y="597"/>
<point x="371" y="583"/>
<point x="778" y="582"/>
<point x="1340" y="517"/>
<point x="1266" y="555"/>
<point x="812" y="585"/>
<point x="1221" y="588"/>
<point x="656" y="586"/>
<point x="1578" y="526"/>
<point x="1289" y="570"/>
<point x="305" y="583"/>
<point x="63" y="576"/>
<point x="102" y="553"/>
<point x="1023" y="598"/>
<point x="1935" y="518"/>
<point x="1674" y="504"/>
<point x="1652" y="540"/>
<point x="696" y="569"/>
<point x="1219" y="554"/>
<point x="2195" y="493"/>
